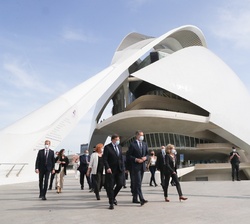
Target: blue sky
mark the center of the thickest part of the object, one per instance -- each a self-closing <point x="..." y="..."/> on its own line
<point x="48" y="47"/>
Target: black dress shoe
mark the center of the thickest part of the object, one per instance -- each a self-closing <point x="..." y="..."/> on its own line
<point x="136" y="202"/>
<point x="91" y="190"/>
<point x="44" y="198"/>
<point x="82" y="188"/>
<point x="50" y="188"/>
<point x="111" y="207"/>
<point x="143" y="202"/>
<point x="40" y="196"/>
<point x="115" y="202"/>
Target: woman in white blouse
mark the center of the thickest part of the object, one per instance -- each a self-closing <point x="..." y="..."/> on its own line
<point x="152" y="168"/>
<point x="96" y="166"/>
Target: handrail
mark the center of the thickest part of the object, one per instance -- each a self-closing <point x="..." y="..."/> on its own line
<point x="14" y="164"/>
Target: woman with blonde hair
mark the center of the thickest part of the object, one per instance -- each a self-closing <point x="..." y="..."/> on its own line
<point x="170" y="171"/>
<point x="96" y="166"/>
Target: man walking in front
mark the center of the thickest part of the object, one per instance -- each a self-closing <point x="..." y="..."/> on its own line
<point x="114" y="168"/>
<point x="137" y="153"/>
<point x="45" y="163"/>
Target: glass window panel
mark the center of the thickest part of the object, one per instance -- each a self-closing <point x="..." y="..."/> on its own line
<point x="177" y="140"/>
<point x="192" y="142"/>
<point x="171" y="139"/>
<point x="152" y="138"/>
<point x="197" y="141"/>
<point x="166" y="136"/>
<point x="147" y="139"/>
<point x="182" y="141"/>
<point x="157" y="140"/>
<point x="162" y="139"/>
<point x="187" y="141"/>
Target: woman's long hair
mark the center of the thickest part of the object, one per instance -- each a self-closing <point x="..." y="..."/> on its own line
<point x="60" y="154"/>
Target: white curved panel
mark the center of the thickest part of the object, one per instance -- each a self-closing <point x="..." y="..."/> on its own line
<point x="199" y="76"/>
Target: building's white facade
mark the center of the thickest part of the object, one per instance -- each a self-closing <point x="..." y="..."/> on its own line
<point x="209" y="107"/>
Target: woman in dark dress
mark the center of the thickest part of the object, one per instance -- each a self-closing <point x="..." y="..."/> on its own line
<point x="170" y="171"/>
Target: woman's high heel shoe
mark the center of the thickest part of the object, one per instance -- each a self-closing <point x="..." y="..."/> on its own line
<point x="58" y="190"/>
<point x="182" y="198"/>
<point x="167" y="200"/>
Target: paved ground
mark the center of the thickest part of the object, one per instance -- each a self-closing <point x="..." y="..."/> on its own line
<point x="208" y="202"/>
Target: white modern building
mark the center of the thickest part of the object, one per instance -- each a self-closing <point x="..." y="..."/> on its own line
<point x="172" y="87"/>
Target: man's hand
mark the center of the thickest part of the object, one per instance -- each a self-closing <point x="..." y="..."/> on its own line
<point x="53" y="171"/>
<point x="109" y="170"/>
<point x="37" y="170"/>
<point x="139" y="160"/>
<point x="144" y="158"/>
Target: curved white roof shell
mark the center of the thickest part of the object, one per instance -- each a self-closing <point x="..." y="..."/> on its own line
<point x="190" y="70"/>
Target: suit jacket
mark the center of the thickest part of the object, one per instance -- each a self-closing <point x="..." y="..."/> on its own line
<point x="41" y="160"/>
<point x="171" y="164"/>
<point x="112" y="160"/>
<point x="83" y="167"/>
<point x="160" y="162"/>
<point x="134" y="152"/>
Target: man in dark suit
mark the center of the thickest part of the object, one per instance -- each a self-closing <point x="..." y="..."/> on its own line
<point x="137" y="153"/>
<point x="84" y="164"/>
<point x="160" y="164"/>
<point x="45" y="163"/>
<point x="235" y="163"/>
<point x="114" y="168"/>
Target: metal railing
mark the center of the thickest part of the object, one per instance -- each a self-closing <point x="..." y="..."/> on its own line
<point x="13" y="166"/>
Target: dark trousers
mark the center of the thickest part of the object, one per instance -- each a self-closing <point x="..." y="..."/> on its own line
<point x="82" y="174"/>
<point x="162" y="179"/>
<point x="235" y="170"/>
<point x="43" y="181"/>
<point x="114" y="183"/>
<point x="152" y="170"/>
<point x="52" y="176"/>
<point x="177" y="184"/>
<point x="97" y="181"/>
<point x="137" y="176"/>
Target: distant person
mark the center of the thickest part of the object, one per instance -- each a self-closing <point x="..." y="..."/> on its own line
<point x="137" y="153"/>
<point x="52" y="176"/>
<point x="160" y="165"/>
<point x="63" y="162"/>
<point x="113" y="162"/>
<point x="45" y="162"/>
<point x="170" y="171"/>
<point x="235" y="163"/>
<point x="96" y="166"/>
<point x="83" y="168"/>
<point x="75" y="161"/>
<point x="152" y="168"/>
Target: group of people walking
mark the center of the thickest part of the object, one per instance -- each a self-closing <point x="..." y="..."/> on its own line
<point x="108" y="159"/>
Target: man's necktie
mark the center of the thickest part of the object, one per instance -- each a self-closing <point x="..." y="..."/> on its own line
<point x="163" y="155"/>
<point x="46" y="156"/>
<point x="117" y="150"/>
<point x="140" y="143"/>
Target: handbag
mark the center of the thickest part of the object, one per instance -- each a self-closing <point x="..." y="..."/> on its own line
<point x="57" y="165"/>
